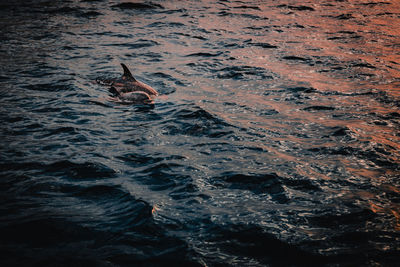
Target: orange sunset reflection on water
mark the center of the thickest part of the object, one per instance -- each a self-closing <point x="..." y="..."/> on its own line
<point x="345" y="52"/>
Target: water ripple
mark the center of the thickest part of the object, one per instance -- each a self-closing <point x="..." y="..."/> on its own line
<point x="274" y="140"/>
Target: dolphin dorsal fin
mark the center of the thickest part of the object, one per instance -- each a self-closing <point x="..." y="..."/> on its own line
<point x="127" y="74"/>
<point x="114" y="91"/>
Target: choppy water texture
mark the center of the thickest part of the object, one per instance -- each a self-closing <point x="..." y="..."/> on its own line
<point x="274" y="141"/>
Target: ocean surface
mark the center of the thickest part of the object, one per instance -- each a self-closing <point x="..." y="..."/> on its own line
<point x="275" y="140"/>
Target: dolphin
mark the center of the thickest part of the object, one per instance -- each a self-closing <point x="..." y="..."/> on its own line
<point x="134" y="97"/>
<point x="128" y="83"/>
<point x="129" y="90"/>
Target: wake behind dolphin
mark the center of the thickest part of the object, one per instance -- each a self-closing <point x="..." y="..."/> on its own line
<point x="129" y="90"/>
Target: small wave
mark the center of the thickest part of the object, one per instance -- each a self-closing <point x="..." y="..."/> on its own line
<point x="233" y="238"/>
<point x="258" y="28"/>
<point x="62" y="10"/>
<point x="263" y="45"/>
<point x="345" y="36"/>
<point x="184" y="11"/>
<point x="304" y="184"/>
<point x="342" y="133"/>
<point x="90" y="14"/>
<point x="297" y="8"/>
<point x="391" y="116"/>
<point x="160" y="24"/>
<point x="197" y="122"/>
<point x="266" y="183"/>
<point x="100" y="192"/>
<point x="167" y="175"/>
<point x="204" y="54"/>
<point x="269" y="112"/>
<point x="376" y="154"/>
<point x="137" y="6"/>
<point x="318" y="108"/>
<point x="345" y="16"/>
<point x="364" y="65"/>
<point x="48" y="87"/>
<point x="14" y="119"/>
<point x="137" y="160"/>
<point x="68" y="10"/>
<point x="336" y="220"/>
<point x="247" y="7"/>
<point x="302" y="89"/>
<point x="240" y="72"/>
<point x="246" y="15"/>
<point x="122" y="210"/>
<point x="85" y="170"/>
<point x="138" y="44"/>
<point x="295" y="58"/>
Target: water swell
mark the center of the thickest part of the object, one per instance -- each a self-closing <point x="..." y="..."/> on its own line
<point x="196" y="122"/>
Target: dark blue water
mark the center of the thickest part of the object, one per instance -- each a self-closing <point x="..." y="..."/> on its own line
<point x="274" y="141"/>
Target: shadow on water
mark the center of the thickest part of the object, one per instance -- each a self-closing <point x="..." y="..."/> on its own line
<point x="274" y="141"/>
